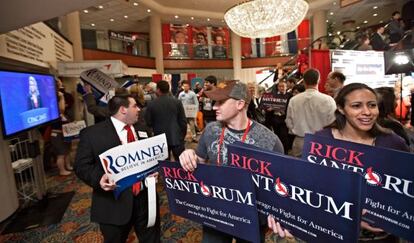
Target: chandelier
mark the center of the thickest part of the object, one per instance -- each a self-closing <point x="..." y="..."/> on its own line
<point x="265" y="18"/>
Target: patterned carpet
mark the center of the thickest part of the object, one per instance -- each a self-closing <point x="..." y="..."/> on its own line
<point x="76" y="227"/>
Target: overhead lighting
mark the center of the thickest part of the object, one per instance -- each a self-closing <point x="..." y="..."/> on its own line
<point x="358" y="27"/>
<point x="208" y="19"/>
<point x="176" y="16"/>
<point x="126" y="16"/>
<point x="375" y="15"/>
<point x="265" y="18"/>
<point x="331" y="13"/>
<point x="149" y="10"/>
<point x="112" y="20"/>
<point x="192" y="18"/>
<point x="85" y="11"/>
<point x="381" y="21"/>
<point x="187" y="25"/>
<point x="375" y="7"/>
<point x="334" y="3"/>
<point x="93" y="25"/>
<point x="338" y="33"/>
<point x="135" y="4"/>
<point x="327" y="21"/>
<point x="366" y="21"/>
<point x="100" y="7"/>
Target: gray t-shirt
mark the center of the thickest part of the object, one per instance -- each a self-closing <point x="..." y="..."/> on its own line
<point x="258" y="136"/>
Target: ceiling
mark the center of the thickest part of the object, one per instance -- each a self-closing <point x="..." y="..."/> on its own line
<point x="210" y="12"/>
<point x="15" y="14"/>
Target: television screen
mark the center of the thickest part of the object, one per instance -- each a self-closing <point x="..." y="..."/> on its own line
<point x="27" y="100"/>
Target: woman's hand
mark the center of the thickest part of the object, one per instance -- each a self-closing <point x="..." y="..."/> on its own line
<point x="278" y="230"/>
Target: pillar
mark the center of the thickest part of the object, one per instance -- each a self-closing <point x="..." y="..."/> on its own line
<point x="319" y="24"/>
<point x="72" y="26"/>
<point x="236" y="53"/>
<point x="156" y="42"/>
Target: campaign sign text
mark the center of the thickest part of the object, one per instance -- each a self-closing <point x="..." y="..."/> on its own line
<point x="190" y="111"/>
<point x="315" y="203"/>
<point x="99" y="80"/>
<point x="132" y="162"/>
<point x="222" y="198"/>
<point x="72" y="129"/>
<point x="388" y="173"/>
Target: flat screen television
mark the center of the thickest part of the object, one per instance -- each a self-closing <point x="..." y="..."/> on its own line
<point x="27" y="100"/>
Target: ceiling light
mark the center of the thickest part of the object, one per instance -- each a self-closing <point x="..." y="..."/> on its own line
<point x="126" y="16"/>
<point x="135" y="4"/>
<point x="208" y="19"/>
<point x="381" y="22"/>
<point x="375" y="15"/>
<point x="149" y="10"/>
<point x="327" y="21"/>
<point x="331" y="13"/>
<point x="338" y="33"/>
<point x="100" y="7"/>
<point x="375" y="7"/>
<point x="176" y="16"/>
<point x="358" y="27"/>
<point x="192" y="18"/>
<point x="93" y="25"/>
<point x="334" y="3"/>
<point x="187" y="25"/>
<point x="366" y="21"/>
<point x="265" y="18"/>
<point x="112" y="20"/>
<point x="85" y="11"/>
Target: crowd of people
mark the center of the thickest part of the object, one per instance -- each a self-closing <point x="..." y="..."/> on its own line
<point x="275" y="119"/>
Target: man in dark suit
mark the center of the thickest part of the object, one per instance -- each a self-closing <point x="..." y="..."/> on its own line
<point x="166" y="115"/>
<point x="378" y="40"/>
<point x="116" y="217"/>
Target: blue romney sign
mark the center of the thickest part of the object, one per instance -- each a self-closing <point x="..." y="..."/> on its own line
<point x="219" y="197"/>
<point x="308" y="200"/>
<point x="388" y="173"/>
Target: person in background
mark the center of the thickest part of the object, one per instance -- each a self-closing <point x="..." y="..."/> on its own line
<point x="334" y="83"/>
<point x="309" y="111"/>
<point x="59" y="146"/>
<point x="34" y="95"/>
<point x="166" y="115"/>
<point x="279" y="114"/>
<point x="188" y="97"/>
<point x="232" y="99"/>
<point x="378" y="40"/>
<point x="364" y="44"/>
<point x="253" y="108"/>
<point x="197" y="87"/>
<point x="386" y="117"/>
<point x="395" y="29"/>
<point x="149" y="91"/>
<point x="207" y="104"/>
<point x="297" y="89"/>
<point x="356" y="120"/>
<point x="291" y="82"/>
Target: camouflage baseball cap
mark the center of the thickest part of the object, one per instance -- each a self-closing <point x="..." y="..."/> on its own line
<point x="229" y="89"/>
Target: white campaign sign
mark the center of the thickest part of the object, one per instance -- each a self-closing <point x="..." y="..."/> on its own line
<point x="190" y="111"/>
<point x="73" y="128"/>
<point x="133" y="158"/>
<point x="99" y="80"/>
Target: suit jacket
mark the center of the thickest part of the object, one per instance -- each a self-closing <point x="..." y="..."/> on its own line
<point x="166" y="115"/>
<point x="95" y="140"/>
<point x="378" y="43"/>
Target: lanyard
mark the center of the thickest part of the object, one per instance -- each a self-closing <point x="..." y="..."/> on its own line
<point x="222" y="139"/>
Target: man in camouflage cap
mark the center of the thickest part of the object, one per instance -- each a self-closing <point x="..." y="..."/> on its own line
<point x="231" y="101"/>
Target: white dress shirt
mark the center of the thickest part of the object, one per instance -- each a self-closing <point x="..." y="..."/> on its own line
<point x="121" y="131"/>
<point x="309" y="112"/>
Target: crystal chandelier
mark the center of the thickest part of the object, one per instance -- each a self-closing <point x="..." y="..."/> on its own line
<point x="265" y="18"/>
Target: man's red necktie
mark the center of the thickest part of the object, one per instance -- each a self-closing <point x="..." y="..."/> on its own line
<point x="136" y="188"/>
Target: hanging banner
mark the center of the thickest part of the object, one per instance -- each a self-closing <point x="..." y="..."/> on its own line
<point x="222" y="202"/>
<point x="200" y="43"/>
<point x="313" y="208"/>
<point x="388" y="173"/>
<point x="132" y="162"/>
